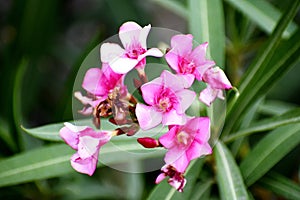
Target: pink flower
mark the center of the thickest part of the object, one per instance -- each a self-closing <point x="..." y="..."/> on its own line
<point x="185" y="61"/>
<point x="176" y="179"/>
<point x="217" y="82"/>
<point x="98" y="83"/>
<point x="187" y="142"/>
<point x="87" y="142"/>
<point x="167" y="101"/>
<point x="133" y="38"/>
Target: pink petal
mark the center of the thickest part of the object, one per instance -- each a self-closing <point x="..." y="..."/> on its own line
<point x="92" y="82"/>
<point x="186" y="98"/>
<point x="143" y="36"/>
<point x="86" y="166"/>
<point x="197" y="150"/>
<point x="199" y="53"/>
<point x="70" y="137"/>
<point x="151" y="89"/>
<point x="88" y="101"/>
<point x="200" y="126"/>
<point x="182" y="44"/>
<point x="202" y="68"/>
<point x="151" y="52"/>
<point x="173" y="118"/>
<point x="110" y="52"/>
<point x="174" y="82"/>
<point x="147" y="116"/>
<point x="129" y="33"/>
<point x="122" y="65"/>
<point x="173" y="60"/>
<point x="88" y="146"/>
<point x="168" y="139"/>
<point x="177" y="158"/>
<point x="187" y="79"/>
<point x="208" y="95"/>
<point x="216" y="78"/>
<point x="160" y="178"/>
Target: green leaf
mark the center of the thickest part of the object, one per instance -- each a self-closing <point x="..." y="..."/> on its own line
<point x="53" y="161"/>
<point x="206" y="23"/>
<point x="263" y="13"/>
<point x="173" y="6"/>
<point x="229" y="177"/>
<point x="202" y="189"/>
<point x="289" y="117"/>
<point x="275" y="107"/>
<point x="280" y="185"/>
<point x="164" y="191"/>
<point x="270" y="64"/>
<point x="268" y="151"/>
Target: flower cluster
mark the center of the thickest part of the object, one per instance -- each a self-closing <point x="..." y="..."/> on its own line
<point x="165" y="101"/>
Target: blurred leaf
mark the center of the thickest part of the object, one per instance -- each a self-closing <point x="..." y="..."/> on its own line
<point x="206" y="23"/>
<point x="281" y="185"/>
<point x="289" y="117"/>
<point x="270" y="64"/>
<point x="174" y="6"/>
<point x="263" y="13"/>
<point x="164" y="191"/>
<point x="201" y="190"/>
<point x="275" y="107"/>
<point x="268" y="151"/>
<point x="53" y="161"/>
<point x="6" y="135"/>
<point x="229" y="177"/>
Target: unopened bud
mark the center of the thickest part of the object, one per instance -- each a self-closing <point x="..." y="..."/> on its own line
<point x="148" y="142"/>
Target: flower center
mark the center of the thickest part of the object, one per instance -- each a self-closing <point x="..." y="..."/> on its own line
<point x="186" y="66"/>
<point x="164" y="104"/>
<point x="183" y="138"/>
<point x="166" y="100"/>
<point x="135" y="52"/>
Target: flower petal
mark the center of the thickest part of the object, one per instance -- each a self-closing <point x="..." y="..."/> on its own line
<point x="177" y="158"/>
<point x="173" y="118"/>
<point x="160" y="177"/>
<point x="147" y="116"/>
<point x="186" y="98"/>
<point x="197" y="150"/>
<point x="123" y="65"/>
<point x="88" y="146"/>
<point x="129" y="33"/>
<point x="173" y="60"/>
<point x="199" y="53"/>
<point x="174" y="82"/>
<point x="70" y="137"/>
<point x="92" y="82"/>
<point x="216" y="78"/>
<point x="208" y="95"/>
<point x="182" y="44"/>
<point x="187" y="79"/>
<point x="110" y="52"/>
<point x="151" y="89"/>
<point x="86" y="166"/>
<point x="143" y="36"/>
<point x="168" y="139"/>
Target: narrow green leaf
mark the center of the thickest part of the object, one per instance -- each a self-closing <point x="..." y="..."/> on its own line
<point x="289" y="117"/>
<point x="53" y="161"/>
<point x="271" y="63"/>
<point x="263" y="13"/>
<point x="164" y="191"/>
<point x="206" y="23"/>
<point x="229" y="177"/>
<point x="268" y="151"/>
<point x="280" y="185"/>
<point x="202" y="189"/>
<point x="275" y="107"/>
<point x="173" y="6"/>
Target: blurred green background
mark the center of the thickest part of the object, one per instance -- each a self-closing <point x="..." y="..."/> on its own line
<point x="42" y="45"/>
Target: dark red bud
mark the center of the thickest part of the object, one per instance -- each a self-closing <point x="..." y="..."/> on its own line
<point x="148" y="142"/>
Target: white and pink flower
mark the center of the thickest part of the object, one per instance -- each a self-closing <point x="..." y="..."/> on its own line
<point x="87" y="143"/>
<point x="134" y="40"/>
<point x="166" y="99"/>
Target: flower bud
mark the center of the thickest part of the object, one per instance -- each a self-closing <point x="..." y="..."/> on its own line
<point x="148" y="142"/>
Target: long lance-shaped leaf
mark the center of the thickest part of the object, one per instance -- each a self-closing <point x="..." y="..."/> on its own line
<point x="166" y="192"/>
<point x="173" y="6"/>
<point x="229" y="177"/>
<point x="292" y="116"/>
<point x="53" y="161"/>
<point x="280" y="185"/>
<point x="263" y="13"/>
<point x="206" y="23"/>
<point x="261" y="74"/>
<point x="268" y="151"/>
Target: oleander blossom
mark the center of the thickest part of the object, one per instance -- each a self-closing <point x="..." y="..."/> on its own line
<point x="166" y="99"/>
<point x="176" y="179"/>
<point x="133" y="38"/>
<point x="99" y="83"/>
<point x="87" y="143"/>
<point x="216" y="82"/>
<point x="186" y="142"/>
<point x="185" y="61"/>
